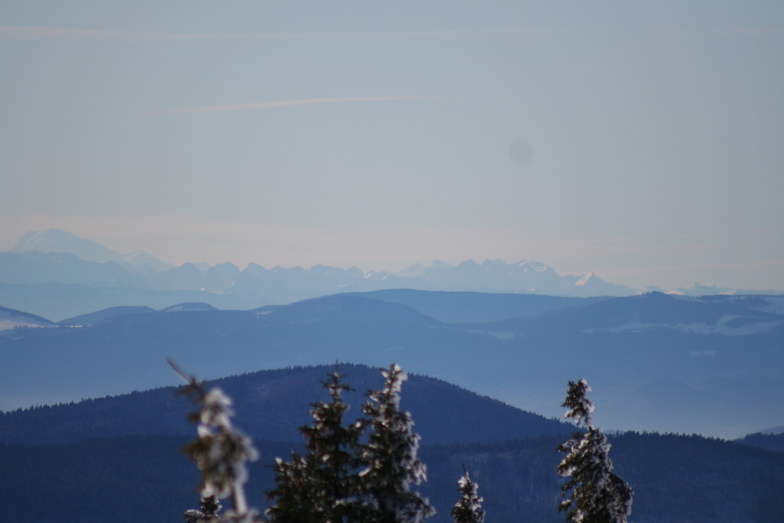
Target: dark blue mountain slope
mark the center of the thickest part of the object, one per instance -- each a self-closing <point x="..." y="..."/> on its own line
<point x="12" y="318"/>
<point x="773" y="442"/>
<point x="710" y="365"/>
<point x="59" y="301"/>
<point x="104" y="314"/>
<point x="128" y="352"/>
<point x="476" y="307"/>
<point x="272" y="405"/>
<point x="656" y="310"/>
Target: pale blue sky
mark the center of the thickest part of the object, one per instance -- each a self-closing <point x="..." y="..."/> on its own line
<point x="641" y="141"/>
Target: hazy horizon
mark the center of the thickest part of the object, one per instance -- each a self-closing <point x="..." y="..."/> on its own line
<point x="397" y="269"/>
<point x="640" y="142"/>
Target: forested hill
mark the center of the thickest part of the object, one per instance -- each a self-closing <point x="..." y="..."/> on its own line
<point x="145" y="477"/>
<point x="774" y="442"/>
<point x="272" y="405"/>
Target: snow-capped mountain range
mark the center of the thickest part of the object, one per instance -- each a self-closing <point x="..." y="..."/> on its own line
<point x="44" y="266"/>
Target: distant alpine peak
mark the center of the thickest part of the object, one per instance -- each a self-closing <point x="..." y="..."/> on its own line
<point x="532" y="265"/>
<point x="57" y="241"/>
<point x="438" y="264"/>
<point x="141" y="258"/>
<point x="584" y="279"/>
<point x="486" y="264"/>
<point x="698" y="288"/>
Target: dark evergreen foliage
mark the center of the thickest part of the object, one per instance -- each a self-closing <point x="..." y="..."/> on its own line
<point x="296" y="497"/>
<point x="469" y="508"/>
<point x="132" y="478"/>
<point x="593" y="493"/>
<point x="774" y="442"/>
<point x="342" y="478"/>
<point x="323" y="485"/>
<point x="675" y="478"/>
<point x="208" y="510"/>
<point x="390" y="457"/>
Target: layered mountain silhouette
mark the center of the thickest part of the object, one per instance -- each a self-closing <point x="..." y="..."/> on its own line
<point x="711" y="365"/>
<point x="14" y="319"/>
<point x="57" y="275"/>
<point x="681" y="362"/>
<point x="58" y="241"/>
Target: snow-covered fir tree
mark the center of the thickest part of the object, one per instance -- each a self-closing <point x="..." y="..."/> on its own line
<point x="390" y="457"/>
<point x="323" y="485"/>
<point x="360" y="472"/>
<point x="221" y="452"/>
<point x="593" y="492"/>
<point x="469" y="508"/>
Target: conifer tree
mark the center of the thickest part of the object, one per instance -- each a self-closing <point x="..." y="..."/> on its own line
<point x="469" y="508"/>
<point x="322" y="485"/>
<point x="593" y="493"/>
<point x="221" y="451"/>
<point x="297" y="493"/>
<point x="390" y="457"/>
<point x="209" y="507"/>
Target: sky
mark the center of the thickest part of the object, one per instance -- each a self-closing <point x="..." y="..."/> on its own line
<point x="640" y="141"/>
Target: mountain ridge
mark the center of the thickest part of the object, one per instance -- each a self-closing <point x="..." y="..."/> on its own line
<point x="672" y="369"/>
<point x="273" y="403"/>
<point x="33" y="272"/>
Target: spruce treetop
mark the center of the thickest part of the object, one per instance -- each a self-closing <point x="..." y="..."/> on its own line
<point x="469" y="508"/>
<point x="593" y="493"/>
<point x="578" y="405"/>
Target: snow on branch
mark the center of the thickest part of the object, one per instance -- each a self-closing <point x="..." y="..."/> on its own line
<point x="592" y="492"/>
<point x="221" y="451"/>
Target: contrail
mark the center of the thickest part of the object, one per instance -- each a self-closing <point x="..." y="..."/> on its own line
<point x="69" y="33"/>
<point x="288" y="103"/>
